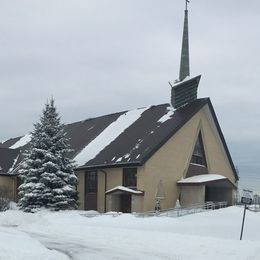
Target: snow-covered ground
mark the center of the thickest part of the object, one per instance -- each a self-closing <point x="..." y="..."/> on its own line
<point x="69" y="235"/>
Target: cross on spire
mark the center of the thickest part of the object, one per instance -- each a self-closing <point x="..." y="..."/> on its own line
<point x="186" y="2"/>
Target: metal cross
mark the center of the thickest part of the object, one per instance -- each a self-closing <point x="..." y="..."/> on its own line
<point x="187" y="1"/>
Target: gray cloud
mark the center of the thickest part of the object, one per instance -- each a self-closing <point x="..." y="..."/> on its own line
<point x="97" y="57"/>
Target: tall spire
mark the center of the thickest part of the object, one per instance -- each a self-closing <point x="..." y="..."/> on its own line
<point x="184" y="91"/>
<point x="185" y="63"/>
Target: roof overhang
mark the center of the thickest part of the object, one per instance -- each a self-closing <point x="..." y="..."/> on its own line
<point x="106" y="166"/>
<point x="120" y="190"/>
<point x="7" y="174"/>
<point x="210" y="180"/>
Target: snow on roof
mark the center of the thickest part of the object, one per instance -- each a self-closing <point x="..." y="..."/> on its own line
<point x="202" y="178"/>
<point x="23" y="141"/>
<point x="108" y="135"/>
<point x="177" y="82"/>
<point x="14" y="163"/>
<point x="122" y="188"/>
<point x="167" y="116"/>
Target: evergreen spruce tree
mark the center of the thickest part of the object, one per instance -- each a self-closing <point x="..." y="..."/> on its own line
<point x="47" y="173"/>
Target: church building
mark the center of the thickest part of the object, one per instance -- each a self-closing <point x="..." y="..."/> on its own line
<point x="131" y="160"/>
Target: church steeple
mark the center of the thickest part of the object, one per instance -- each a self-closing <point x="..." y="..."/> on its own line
<point x="185" y="63"/>
<point x="184" y="90"/>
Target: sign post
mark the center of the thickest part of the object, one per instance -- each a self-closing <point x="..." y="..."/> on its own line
<point x="246" y="200"/>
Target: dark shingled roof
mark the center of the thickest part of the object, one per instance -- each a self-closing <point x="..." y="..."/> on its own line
<point x="144" y="137"/>
<point x="7" y="159"/>
<point x="8" y="143"/>
<point x="82" y="133"/>
<point x="137" y="143"/>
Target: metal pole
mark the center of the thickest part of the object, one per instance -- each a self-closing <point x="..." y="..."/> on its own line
<point x="242" y="228"/>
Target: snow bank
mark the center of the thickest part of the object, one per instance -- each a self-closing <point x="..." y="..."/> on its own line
<point x="208" y="235"/>
<point x="17" y="245"/>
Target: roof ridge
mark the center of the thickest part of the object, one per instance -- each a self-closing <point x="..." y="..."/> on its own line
<point x="114" y="113"/>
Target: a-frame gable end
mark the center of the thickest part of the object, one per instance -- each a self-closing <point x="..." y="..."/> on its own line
<point x="213" y="121"/>
<point x="198" y="162"/>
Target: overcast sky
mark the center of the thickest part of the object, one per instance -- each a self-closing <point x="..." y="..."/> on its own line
<point x="102" y="56"/>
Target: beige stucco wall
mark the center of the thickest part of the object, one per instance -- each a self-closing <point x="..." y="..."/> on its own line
<point x="169" y="164"/>
<point x="137" y="203"/>
<point x="8" y="187"/>
<point x="114" y="178"/>
<point x="191" y="195"/>
<point x="216" y="157"/>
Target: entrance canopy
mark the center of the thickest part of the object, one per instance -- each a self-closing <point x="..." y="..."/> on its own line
<point x="211" y="180"/>
<point x="119" y="190"/>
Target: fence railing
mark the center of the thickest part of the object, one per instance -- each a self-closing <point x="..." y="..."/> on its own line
<point x="97" y="214"/>
<point x="182" y="211"/>
<point x="254" y="207"/>
<point x="172" y="212"/>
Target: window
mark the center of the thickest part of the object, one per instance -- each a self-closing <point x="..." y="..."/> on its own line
<point x="198" y="156"/>
<point x="129" y="177"/>
<point x="91" y="182"/>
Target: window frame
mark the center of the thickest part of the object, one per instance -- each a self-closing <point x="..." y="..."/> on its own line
<point x="130" y="177"/>
<point x="91" y="181"/>
<point x="198" y="155"/>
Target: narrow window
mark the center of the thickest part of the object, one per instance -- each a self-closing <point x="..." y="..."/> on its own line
<point x="129" y="177"/>
<point x="91" y="182"/>
<point x="198" y="155"/>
